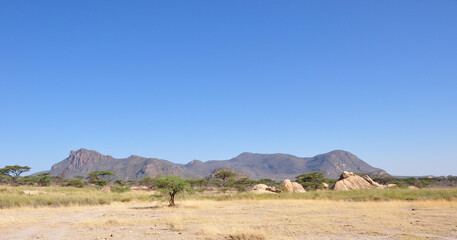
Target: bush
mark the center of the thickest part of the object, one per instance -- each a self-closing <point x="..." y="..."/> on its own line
<point x="119" y="189"/>
<point x="198" y="182"/>
<point x="200" y="190"/>
<point x="74" y="183"/>
<point x="147" y="182"/>
<point x="269" y="182"/>
<point x="313" y="180"/>
<point x="224" y="189"/>
<point x="120" y="182"/>
<point x="100" y="182"/>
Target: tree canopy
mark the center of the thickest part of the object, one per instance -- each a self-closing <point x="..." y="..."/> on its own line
<point x="313" y="180"/>
<point x="171" y="185"/>
<point x="96" y="177"/>
<point x="13" y="172"/>
<point x="224" y="175"/>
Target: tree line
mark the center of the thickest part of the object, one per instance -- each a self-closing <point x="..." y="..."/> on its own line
<point x="223" y="181"/>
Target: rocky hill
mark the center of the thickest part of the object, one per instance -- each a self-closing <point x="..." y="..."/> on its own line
<point x="254" y="165"/>
<point x="84" y="161"/>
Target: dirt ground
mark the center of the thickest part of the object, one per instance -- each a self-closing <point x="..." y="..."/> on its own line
<point x="251" y="219"/>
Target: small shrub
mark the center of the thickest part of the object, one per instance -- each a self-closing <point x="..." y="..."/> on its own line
<point x="120" y="182"/>
<point x="74" y="183"/>
<point x="246" y="236"/>
<point x="120" y="189"/>
<point x="200" y="190"/>
<point x="224" y="189"/>
<point x="100" y="182"/>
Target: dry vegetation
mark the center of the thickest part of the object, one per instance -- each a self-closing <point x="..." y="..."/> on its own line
<point x="69" y="196"/>
<point x="236" y="219"/>
<point x="313" y="215"/>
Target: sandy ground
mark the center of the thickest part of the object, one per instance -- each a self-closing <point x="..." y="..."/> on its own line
<point x="263" y="219"/>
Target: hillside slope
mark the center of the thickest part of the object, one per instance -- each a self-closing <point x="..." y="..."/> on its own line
<point x="256" y="166"/>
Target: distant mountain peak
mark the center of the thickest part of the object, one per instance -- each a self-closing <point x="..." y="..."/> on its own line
<point x="246" y="154"/>
<point x="194" y="162"/>
<point x="277" y="166"/>
<point x="81" y="151"/>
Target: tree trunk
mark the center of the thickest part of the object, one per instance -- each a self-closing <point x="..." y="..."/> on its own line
<point x="172" y="199"/>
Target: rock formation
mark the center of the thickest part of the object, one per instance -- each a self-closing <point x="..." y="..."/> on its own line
<point x="326" y="186"/>
<point x="262" y="188"/>
<point x="292" y="186"/>
<point x="349" y="180"/>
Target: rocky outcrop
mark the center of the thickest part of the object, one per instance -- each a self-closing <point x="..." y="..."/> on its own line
<point x="262" y="188"/>
<point x="84" y="161"/>
<point x="292" y="186"/>
<point x="287" y="185"/>
<point x="349" y="180"/>
<point x="298" y="187"/>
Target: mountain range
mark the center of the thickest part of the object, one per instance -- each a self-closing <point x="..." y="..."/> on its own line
<point x="256" y="166"/>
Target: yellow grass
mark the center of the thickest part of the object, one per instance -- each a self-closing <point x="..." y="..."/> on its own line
<point x="238" y="219"/>
<point x="68" y="213"/>
<point x="67" y="196"/>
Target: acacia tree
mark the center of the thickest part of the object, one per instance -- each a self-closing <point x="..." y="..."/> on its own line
<point x="313" y="180"/>
<point x="171" y="185"/>
<point x="14" y="172"/>
<point x="97" y="177"/>
<point x="147" y="181"/>
<point x="224" y="175"/>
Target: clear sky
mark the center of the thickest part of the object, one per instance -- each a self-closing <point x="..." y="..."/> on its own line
<point x="184" y="80"/>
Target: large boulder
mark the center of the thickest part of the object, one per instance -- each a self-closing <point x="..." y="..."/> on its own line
<point x="287" y="185"/>
<point x="292" y="186"/>
<point x="349" y="180"/>
<point x="262" y="188"/>
<point x="298" y="187"/>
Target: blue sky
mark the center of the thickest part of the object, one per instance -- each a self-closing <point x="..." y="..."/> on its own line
<point x="184" y="80"/>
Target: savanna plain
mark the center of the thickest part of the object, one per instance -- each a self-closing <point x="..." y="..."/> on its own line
<point x="73" y="213"/>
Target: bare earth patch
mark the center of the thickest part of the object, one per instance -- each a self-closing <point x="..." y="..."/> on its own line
<point x="241" y="219"/>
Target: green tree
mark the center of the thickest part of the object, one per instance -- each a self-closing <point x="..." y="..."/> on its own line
<point x="5" y="178"/>
<point x="225" y="175"/>
<point x="171" y="185"/>
<point x="243" y="183"/>
<point x="198" y="182"/>
<point x="43" y="179"/>
<point x="313" y="180"/>
<point x="147" y="182"/>
<point x="268" y="182"/>
<point x="97" y="177"/>
<point x="14" y="172"/>
<point x="120" y="182"/>
<point x="79" y="183"/>
<point x="132" y="182"/>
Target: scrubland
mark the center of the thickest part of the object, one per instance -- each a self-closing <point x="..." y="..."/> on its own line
<point x="88" y="213"/>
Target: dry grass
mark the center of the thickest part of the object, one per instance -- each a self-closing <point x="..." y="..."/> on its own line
<point x="68" y="196"/>
<point x="64" y="196"/>
<point x="237" y="219"/>
<point x="372" y="214"/>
